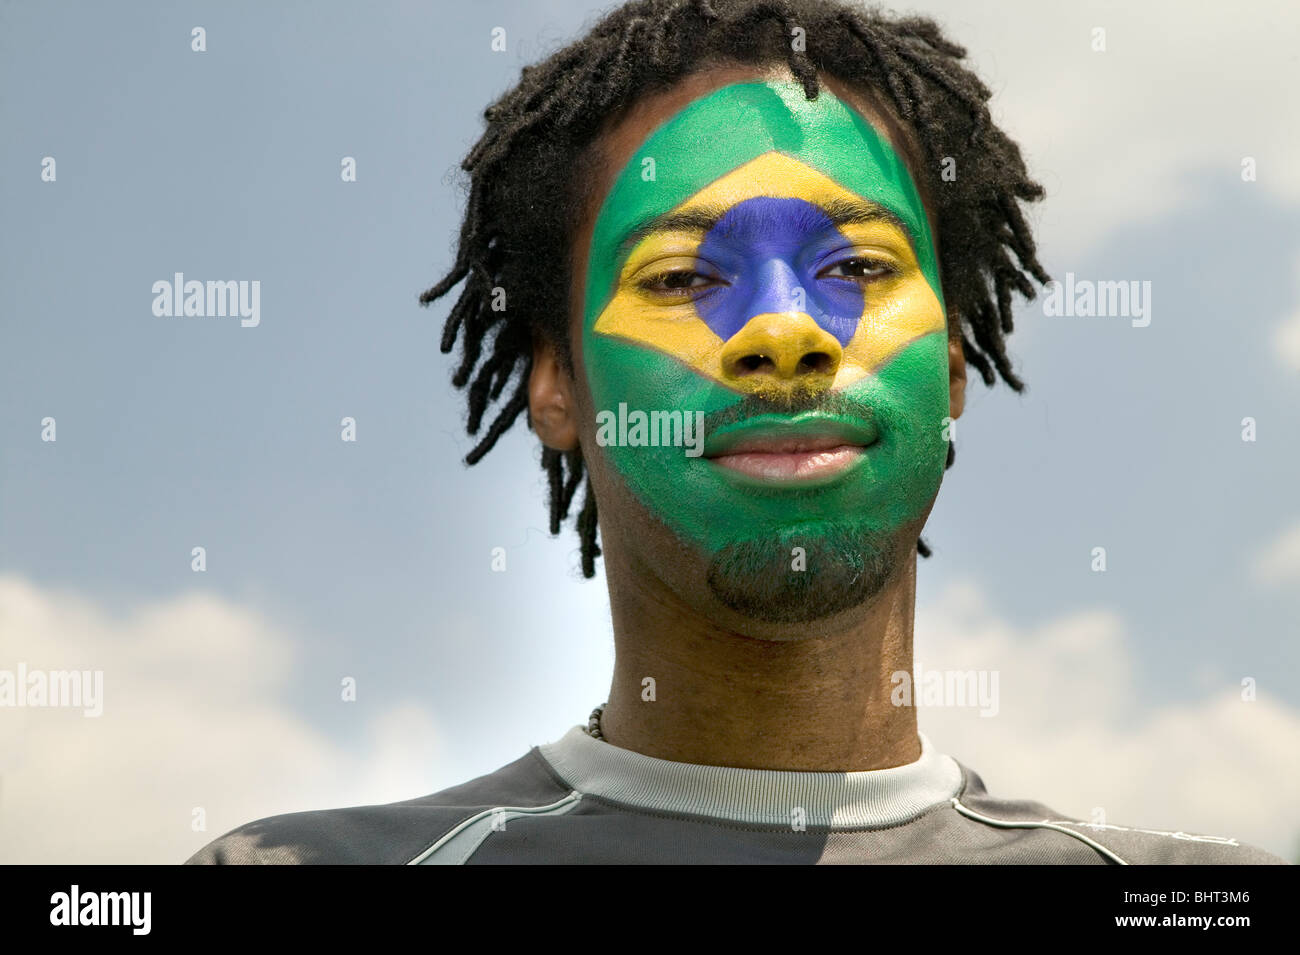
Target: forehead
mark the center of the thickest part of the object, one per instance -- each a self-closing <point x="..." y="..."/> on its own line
<point x="624" y="134"/>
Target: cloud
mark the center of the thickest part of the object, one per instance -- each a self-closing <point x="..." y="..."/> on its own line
<point x="1074" y="731"/>
<point x="1280" y="561"/>
<point x="1286" y="342"/>
<point x="194" y="715"/>
<point x="1286" y="335"/>
<point x="1114" y="135"/>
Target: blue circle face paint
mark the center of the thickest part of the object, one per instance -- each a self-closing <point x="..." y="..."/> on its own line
<point x="772" y="250"/>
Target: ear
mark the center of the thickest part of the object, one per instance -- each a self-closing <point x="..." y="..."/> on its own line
<point x="956" y="368"/>
<point x="551" y="407"/>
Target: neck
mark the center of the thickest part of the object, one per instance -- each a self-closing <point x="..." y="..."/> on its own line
<point x="724" y="698"/>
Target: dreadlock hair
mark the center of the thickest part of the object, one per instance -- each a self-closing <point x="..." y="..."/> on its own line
<point x="528" y="174"/>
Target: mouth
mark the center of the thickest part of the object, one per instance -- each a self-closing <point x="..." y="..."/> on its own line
<point x="800" y="450"/>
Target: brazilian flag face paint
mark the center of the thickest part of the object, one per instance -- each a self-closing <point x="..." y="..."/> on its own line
<point x="766" y="258"/>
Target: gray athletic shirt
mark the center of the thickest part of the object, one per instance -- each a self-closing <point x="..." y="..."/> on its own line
<point x="582" y="800"/>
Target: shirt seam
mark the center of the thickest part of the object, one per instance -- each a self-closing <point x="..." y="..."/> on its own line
<point x="563" y="787"/>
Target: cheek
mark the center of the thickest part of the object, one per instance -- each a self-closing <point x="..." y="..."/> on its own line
<point x="626" y="379"/>
<point x="911" y="394"/>
<point x="894" y="316"/>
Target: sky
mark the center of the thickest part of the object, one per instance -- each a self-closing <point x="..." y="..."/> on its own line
<point x="369" y="561"/>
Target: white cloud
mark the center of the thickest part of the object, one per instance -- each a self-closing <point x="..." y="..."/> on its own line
<point x="1073" y="730"/>
<point x="1110" y="134"/>
<point x="1280" y="561"/>
<point x="194" y="716"/>
<point x="1286" y="342"/>
<point x="1286" y="334"/>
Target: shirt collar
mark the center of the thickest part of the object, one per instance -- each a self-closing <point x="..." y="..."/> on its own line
<point x="836" y="800"/>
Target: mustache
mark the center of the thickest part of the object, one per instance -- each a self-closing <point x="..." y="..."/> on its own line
<point x="751" y="406"/>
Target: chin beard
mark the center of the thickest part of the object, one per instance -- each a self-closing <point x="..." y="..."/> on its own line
<point x="845" y="567"/>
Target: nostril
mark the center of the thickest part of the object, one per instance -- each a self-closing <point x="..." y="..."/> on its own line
<point x="748" y="364"/>
<point x="816" y="362"/>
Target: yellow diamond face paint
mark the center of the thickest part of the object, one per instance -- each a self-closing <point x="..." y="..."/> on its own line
<point x="771" y="205"/>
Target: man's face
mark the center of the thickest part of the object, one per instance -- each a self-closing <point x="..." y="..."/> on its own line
<point x="762" y="265"/>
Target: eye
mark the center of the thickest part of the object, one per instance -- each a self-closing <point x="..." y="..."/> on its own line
<point x="860" y="267"/>
<point x="676" y="282"/>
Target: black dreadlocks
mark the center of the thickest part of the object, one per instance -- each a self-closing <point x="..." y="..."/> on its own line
<point x="528" y="177"/>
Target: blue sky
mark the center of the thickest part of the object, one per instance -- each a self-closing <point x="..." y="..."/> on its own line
<point x="371" y="559"/>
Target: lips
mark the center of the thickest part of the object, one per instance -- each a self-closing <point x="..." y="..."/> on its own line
<point x="804" y="449"/>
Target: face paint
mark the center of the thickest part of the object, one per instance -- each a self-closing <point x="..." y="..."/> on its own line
<point x="771" y="203"/>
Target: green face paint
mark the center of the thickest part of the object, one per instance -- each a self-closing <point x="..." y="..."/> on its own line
<point x="773" y="200"/>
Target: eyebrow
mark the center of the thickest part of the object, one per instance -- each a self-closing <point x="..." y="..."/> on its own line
<point x="840" y="212"/>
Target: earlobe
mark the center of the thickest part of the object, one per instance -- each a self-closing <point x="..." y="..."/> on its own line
<point x="956" y="372"/>
<point x="550" y="399"/>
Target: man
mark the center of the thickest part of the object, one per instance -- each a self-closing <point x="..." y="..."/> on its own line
<point x="745" y="252"/>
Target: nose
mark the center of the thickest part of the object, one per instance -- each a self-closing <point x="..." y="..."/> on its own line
<point x="781" y="352"/>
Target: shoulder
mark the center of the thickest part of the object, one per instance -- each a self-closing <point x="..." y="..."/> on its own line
<point x="1135" y="845"/>
<point x="393" y="833"/>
